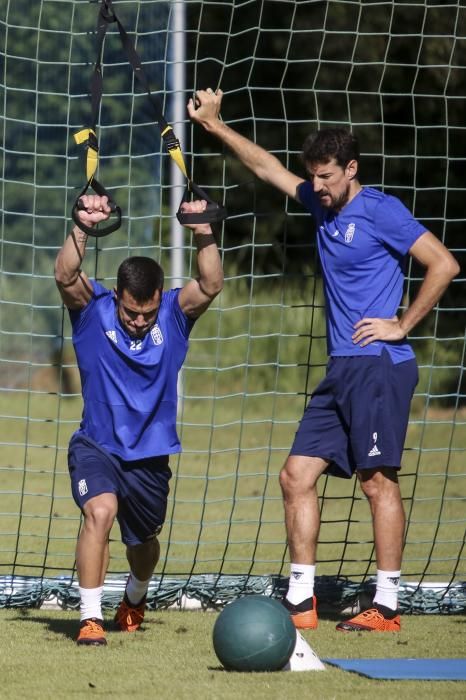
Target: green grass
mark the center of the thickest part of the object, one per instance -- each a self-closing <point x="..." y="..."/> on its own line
<point x="172" y="657"/>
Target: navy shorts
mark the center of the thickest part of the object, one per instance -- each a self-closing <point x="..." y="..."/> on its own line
<point x="358" y="415"/>
<point x="141" y="487"/>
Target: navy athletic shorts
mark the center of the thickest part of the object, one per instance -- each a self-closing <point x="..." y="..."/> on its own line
<point x="141" y="487"/>
<point x="357" y="417"/>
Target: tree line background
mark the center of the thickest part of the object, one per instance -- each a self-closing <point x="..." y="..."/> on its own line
<point x="394" y="72"/>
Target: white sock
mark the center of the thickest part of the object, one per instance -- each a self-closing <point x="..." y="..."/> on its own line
<point x="91" y="603"/>
<point x="301" y="583"/>
<point x="388" y="585"/>
<point x="136" y="589"/>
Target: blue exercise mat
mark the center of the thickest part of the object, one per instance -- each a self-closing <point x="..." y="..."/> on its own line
<point x="405" y="669"/>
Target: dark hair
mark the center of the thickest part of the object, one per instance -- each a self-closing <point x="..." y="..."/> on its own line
<point x="326" y="144"/>
<point x="140" y="277"/>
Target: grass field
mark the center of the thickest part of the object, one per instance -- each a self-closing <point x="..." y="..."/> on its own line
<point x="172" y="657"/>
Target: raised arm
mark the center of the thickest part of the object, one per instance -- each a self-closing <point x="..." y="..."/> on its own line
<point x="72" y="282"/>
<point x="198" y="293"/>
<point x="205" y="111"/>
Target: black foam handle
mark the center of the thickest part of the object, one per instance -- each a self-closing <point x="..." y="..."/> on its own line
<point x="79" y="206"/>
<point x="92" y="231"/>
<point x="213" y="212"/>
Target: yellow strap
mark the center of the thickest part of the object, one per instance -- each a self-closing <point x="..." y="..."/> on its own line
<point x="176" y="153"/>
<point x="178" y="158"/>
<point x="82" y="135"/>
<point x="92" y="157"/>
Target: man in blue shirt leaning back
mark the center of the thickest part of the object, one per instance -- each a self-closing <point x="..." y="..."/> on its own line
<point x="357" y="417"/>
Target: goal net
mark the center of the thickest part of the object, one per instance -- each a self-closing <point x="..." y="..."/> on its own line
<point x="394" y="72"/>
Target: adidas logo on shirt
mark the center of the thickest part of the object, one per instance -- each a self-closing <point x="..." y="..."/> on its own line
<point x="112" y="335"/>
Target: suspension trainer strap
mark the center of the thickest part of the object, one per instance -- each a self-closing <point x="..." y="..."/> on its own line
<point x="88" y="137"/>
<point x="213" y="212"/>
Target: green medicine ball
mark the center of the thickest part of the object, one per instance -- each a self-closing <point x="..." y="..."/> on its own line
<point x="254" y="633"/>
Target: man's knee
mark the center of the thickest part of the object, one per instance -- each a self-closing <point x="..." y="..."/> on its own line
<point x="299" y="474"/>
<point x="100" y="512"/>
<point x="144" y="548"/>
<point x="379" y="484"/>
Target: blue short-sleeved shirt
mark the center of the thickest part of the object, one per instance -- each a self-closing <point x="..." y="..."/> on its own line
<point x="129" y="385"/>
<point x="362" y="251"/>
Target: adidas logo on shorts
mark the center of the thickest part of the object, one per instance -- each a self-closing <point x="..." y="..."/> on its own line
<point x="374" y="452"/>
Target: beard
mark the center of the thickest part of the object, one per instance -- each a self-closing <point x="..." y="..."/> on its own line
<point x="337" y="203"/>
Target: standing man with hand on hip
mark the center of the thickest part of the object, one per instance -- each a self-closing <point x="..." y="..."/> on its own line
<point x="130" y="344"/>
<point x="357" y="418"/>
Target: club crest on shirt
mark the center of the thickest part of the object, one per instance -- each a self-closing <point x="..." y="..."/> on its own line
<point x="156" y="335"/>
<point x="349" y="233"/>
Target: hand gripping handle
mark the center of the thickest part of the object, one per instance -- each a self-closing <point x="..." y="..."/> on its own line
<point x="90" y="230"/>
<point x="212" y="214"/>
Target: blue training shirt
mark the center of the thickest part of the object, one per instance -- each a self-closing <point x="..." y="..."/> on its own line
<point x="363" y="252"/>
<point x="129" y="385"/>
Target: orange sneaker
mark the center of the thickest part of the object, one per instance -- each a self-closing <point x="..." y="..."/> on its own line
<point x="376" y="619"/>
<point x="303" y="615"/>
<point x="91" y="633"/>
<point x="129" y="617"/>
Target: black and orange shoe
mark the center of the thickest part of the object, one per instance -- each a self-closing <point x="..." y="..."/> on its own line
<point x="376" y="619"/>
<point x="91" y="633"/>
<point x="129" y="617"/>
<point x="303" y="615"/>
